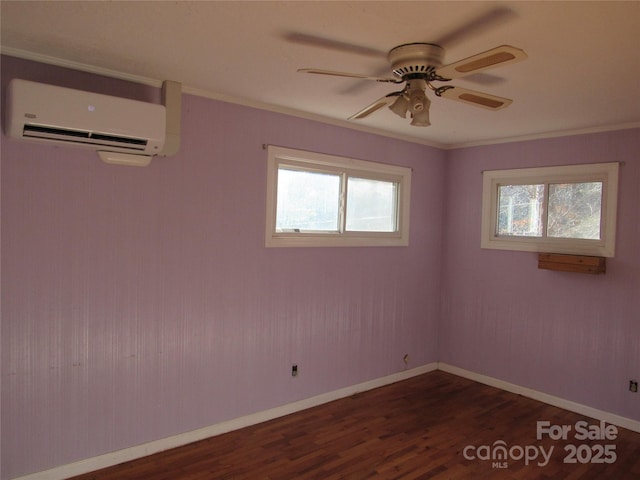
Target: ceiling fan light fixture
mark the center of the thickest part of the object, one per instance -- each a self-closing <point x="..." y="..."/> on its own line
<point x="421" y="119"/>
<point x="419" y="105"/>
<point x="400" y="106"/>
<point x="418" y="101"/>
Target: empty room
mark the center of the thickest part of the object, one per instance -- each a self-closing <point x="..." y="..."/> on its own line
<point x="319" y="240"/>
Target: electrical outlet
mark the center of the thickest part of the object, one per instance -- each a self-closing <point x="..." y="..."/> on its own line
<point x="294" y="370"/>
<point x="633" y="386"/>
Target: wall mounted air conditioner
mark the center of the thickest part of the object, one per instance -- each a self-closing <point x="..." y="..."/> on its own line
<point x="48" y="113"/>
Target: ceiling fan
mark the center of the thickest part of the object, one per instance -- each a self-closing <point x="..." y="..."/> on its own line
<point x="419" y="65"/>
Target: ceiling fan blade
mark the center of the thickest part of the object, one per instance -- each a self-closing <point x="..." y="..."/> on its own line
<point x="377" y="105"/>
<point x="349" y="75"/>
<point x="496" y="57"/>
<point x="477" y="99"/>
<point x="317" y="41"/>
<point x="363" y="84"/>
<point x="485" y="79"/>
<point x="490" y="19"/>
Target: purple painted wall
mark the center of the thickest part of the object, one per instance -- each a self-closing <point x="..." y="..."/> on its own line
<point x="571" y="335"/>
<point x="140" y="303"/>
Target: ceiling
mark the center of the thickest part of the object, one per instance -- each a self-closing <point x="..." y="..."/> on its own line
<point x="582" y="73"/>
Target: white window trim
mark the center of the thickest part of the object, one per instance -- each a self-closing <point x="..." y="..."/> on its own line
<point x="281" y="156"/>
<point x="607" y="173"/>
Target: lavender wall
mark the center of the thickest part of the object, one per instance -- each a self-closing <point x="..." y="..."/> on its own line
<point x="571" y="335"/>
<point x="139" y="303"/>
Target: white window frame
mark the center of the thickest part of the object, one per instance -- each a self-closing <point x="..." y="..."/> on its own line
<point x="607" y="173"/>
<point x="281" y="156"/>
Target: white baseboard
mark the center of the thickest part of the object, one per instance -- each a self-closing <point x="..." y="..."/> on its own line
<point x="618" y="420"/>
<point x="132" y="453"/>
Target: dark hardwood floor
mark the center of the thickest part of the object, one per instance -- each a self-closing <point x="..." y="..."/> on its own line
<point x="434" y="426"/>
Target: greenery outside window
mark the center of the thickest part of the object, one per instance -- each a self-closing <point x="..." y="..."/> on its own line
<point x="567" y="209"/>
<point x="315" y="199"/>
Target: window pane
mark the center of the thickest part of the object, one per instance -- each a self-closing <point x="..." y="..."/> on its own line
<point x="574" y="210"/>
<point x="580" y="205"/>
<point x="371" y="205"/>
<point x="520" y="210"/>
<point x="307" y="201"/>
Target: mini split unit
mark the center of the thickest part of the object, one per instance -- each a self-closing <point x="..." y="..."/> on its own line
<point x="123" y="131"/>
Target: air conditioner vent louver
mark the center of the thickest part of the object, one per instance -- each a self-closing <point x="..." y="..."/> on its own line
<point x="80" y="136"/>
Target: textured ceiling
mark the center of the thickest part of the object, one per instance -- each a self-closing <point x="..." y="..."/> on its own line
<point x="582" y="74"/>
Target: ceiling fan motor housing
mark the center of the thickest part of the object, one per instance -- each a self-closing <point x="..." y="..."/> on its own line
<point x="415" y="58"/>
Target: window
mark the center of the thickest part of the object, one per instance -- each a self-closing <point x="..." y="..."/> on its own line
<point x="315" y="199"/>
<point x="570" y="209"/>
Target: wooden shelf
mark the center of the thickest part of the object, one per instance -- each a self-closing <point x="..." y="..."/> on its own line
<point x="572" y="263"/>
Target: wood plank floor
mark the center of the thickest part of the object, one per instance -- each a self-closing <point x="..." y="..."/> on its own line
<point x="414" y="429"/>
